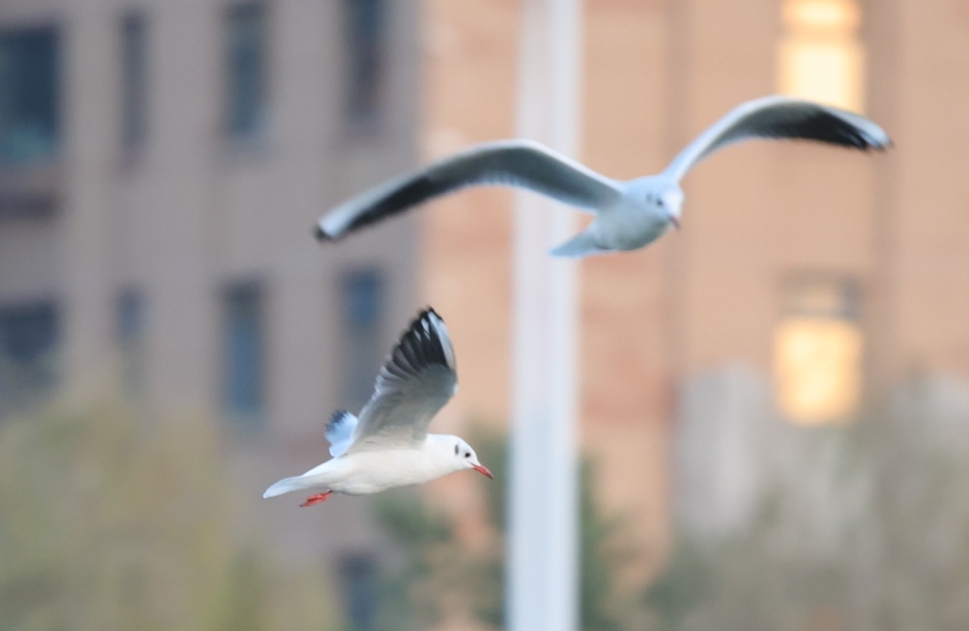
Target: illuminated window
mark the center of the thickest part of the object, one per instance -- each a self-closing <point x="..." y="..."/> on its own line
<point x="818" y="351"/>
<point x="821" y="56"/>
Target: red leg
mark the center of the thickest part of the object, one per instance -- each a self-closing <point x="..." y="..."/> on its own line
<point x="319" y="498"/>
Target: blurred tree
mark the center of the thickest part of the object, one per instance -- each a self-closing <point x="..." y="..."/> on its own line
<point x="866" y="528"/>
<point x="110" y="523"/>
<point x="440" y="575"/>
<point x="683" y="585"/>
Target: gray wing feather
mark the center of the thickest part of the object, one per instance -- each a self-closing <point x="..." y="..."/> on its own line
<point x="781" y="117"/>
<point x="519" y="163"/>
<point x="418" y="377"/>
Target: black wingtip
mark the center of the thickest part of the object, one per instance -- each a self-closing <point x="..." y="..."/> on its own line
<point x="423" y="316"/>
<point x="426" y="340"/>
<point x="336" y="419"/>
<point x="426" y="311"/>
<point x="320" y="234"/>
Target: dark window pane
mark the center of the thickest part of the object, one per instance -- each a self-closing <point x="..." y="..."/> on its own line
<point x="28" y="342"/>
<point x="365" y="37"/>
<point x="29" y="125"/>
<point x="359" y="577"/>
<point x="363" y="307"/>
<point x="246" y="71"/>
<point x="244" y="354"/>
<point x="130" y="316"/>
<point x="130" y="332"/>
<point x="134" y="79"/>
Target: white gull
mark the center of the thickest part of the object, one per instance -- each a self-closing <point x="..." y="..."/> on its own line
<point x="629" y="214"/>
<point x="388" y="446"/>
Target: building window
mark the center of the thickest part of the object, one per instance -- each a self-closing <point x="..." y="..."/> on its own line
<point x="134" y="71"/>
<point x="366" y="25"/>
<point x="28" y="344"/>
<point x="818" y="350"/>
<point x="246" y="70"/>
<point x="363" y="307"/>
<point x="821" y="56"/>
<point x="358" y="574"/>
<point x="29" y="96"/>
<point x="244" y="355"/>
<point x="130" y="334"/>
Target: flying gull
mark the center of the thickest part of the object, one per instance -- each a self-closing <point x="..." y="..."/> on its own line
<point x="388" y="446"/>
<point x="628" y="214"/>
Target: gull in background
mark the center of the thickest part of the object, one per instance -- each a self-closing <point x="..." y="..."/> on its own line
<point x="628" y="214"/>
<point x="388" y="445"/>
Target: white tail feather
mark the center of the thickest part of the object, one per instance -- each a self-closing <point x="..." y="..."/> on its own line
<point x="579" y="246"/>
<point x="288" y="485"/>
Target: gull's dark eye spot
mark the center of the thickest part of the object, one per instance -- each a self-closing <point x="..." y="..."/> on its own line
<point x="455" y="450"/>
<point x="467" y="455"/>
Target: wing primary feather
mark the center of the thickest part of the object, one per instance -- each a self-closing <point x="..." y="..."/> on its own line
<point x="425" y="342"/>
<point x="781" y="117"/>
<point x="417" y="379"/>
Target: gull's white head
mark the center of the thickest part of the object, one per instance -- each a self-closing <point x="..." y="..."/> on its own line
<point x="662" y="198"/>
<point x="670" y="201"/>
<point x="457" y="453"/>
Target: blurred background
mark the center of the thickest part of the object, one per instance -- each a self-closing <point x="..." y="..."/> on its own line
<point x="774" y="402"/>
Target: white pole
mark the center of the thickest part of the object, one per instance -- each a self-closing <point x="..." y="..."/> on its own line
<point x="543" y="554"/>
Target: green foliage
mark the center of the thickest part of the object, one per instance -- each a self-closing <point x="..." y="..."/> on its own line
<point x="681" y="587"/>
<point x="109" y="523"/>
<point x="407" y="589"/>
<point x="440" y="575"/>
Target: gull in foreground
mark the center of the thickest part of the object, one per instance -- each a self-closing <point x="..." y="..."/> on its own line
<point x="389" y="445"/>
<point x="628" y="214"/>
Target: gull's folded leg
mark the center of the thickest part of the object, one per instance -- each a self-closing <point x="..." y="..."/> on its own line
<point x="319" y="498"/>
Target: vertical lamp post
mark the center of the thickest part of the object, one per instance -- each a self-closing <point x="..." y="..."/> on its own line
<point x="543" y="549"/>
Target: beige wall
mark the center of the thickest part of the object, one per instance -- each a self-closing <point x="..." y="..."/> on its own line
<point x="466" y="241"/>
<point x="655" y="75"/>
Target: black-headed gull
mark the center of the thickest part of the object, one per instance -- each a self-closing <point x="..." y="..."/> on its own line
<point x="629" y="214"/>
<point x="388" y="445"/>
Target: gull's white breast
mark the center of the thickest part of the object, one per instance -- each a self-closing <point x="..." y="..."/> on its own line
<point x="630" y="225"/>
<point x="369" y="472"/>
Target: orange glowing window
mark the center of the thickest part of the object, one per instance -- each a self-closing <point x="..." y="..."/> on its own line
<point x="818" y="347"/>
<point x="821" y="56"/>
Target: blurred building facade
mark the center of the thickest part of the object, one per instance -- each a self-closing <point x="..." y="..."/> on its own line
<point x="805" y="281"/>
<point x="161" y="164"/>
<point x="161" y="167"/>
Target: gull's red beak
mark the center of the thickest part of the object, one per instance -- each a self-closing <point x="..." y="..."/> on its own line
<point x="675" y="221"/>
<point x="483" y="470"/>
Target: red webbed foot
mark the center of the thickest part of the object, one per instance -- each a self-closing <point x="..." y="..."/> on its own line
<point x="319" y="498"/>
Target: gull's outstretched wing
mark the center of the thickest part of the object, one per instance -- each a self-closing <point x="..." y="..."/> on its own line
<point x="417" y="379"/>
<point x="781" y="117"/>
<point x="521" y="163"/>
